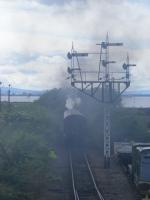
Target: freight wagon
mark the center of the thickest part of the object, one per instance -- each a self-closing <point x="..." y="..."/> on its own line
<point x="135" y="157"/>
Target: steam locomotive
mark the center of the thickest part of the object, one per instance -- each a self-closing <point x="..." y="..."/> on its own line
<point x="74" y="128"/>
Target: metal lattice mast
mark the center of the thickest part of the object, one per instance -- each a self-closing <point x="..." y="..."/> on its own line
<point x="107" y="145"/>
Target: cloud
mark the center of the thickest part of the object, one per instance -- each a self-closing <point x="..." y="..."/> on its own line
<point x="51" y="2"/>
<point x="36" y="35"/>
<point x="16" y="58"/>
<point x="42" y="73"/>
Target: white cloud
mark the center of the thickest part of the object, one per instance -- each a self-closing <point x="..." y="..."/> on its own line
<point x="29" y="27"/>
<point x="43" y="72"/>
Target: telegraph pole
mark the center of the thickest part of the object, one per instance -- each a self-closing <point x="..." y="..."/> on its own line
<point x="106" y="87"/>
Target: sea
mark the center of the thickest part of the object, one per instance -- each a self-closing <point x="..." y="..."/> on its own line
<point x="20" y="99"/>
<point x="135" y="101"/>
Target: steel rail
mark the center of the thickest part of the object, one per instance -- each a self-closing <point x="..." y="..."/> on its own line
<point x="93" y="179"/>
<point x="75" y="191"/>
<point x="76" y="197"/>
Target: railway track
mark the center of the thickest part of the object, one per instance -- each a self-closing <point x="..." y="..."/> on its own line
<point x="83" y="182"/>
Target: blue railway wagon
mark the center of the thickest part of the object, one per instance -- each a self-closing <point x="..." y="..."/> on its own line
<point x="141" y="166"/>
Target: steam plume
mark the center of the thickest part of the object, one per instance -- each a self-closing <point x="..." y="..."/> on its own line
<point x="72" y="103"/>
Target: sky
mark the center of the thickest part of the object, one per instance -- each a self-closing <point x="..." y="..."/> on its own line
<point x="36" y="35"/>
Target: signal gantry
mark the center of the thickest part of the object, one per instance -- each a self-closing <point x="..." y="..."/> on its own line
<point x="105" y="82"/>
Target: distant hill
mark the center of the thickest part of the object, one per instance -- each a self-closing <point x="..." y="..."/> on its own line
<point x="18" y="91"/>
